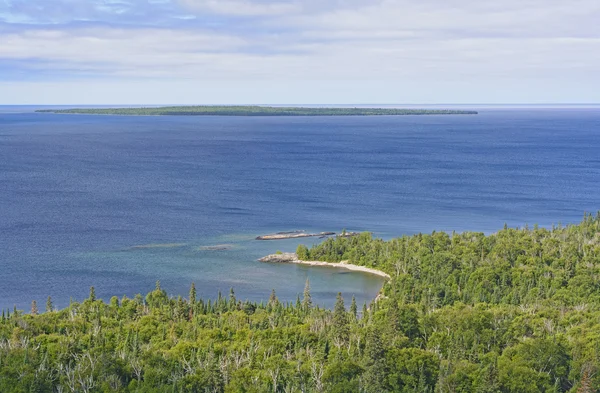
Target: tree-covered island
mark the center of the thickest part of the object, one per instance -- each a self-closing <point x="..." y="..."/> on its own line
<point x="212" y="110"/>
<point x="517" y="311"/>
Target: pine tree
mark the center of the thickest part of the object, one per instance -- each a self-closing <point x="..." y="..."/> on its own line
<point x="92" y="294"/>
<point x="193" y="294"/>
<point x="34" y="308"/>
<point x="340" y="318"/>
<point x="273" y="301"/>
<point x="232" y="299"/>
<point x="307" y="299"/>
<point x="375" y="372"/>
<point x="180" y="310"/>
<point x="49" y="305"/>
<point x="354" y="308"/>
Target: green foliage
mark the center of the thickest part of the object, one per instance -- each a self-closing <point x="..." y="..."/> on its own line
<point x="307" y="298"/>
<point x="516" y="311"/>
<point x="302" y="252"/>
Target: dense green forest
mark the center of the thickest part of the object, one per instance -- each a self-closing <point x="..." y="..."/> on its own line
<point x="211" y="110"/>
<point x="516" y="311"/>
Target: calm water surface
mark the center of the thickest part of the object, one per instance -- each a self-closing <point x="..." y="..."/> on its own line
<point x="78" y="192"/>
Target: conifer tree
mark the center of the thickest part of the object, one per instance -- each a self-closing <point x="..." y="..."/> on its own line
<point x="180" y="310"/>
<point x="92" y="294"/>
<point x="193" y="294"/>
<point x="34" y="308"/>
<point x="375" y="372"/>
<point x="354" y="308"/>
<point x="232" y="299"/>
<point x="340" y="318"/>
<point x="49" y="305"/>
<point x="393" y="318"/>
<point x="273" y="301"/>
<point x="307" y="299"/>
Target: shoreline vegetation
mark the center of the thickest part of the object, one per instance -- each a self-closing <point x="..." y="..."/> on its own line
<point x="293" y="258"/>
<point x="516" y="311"/>
<point x="254" y="110"/>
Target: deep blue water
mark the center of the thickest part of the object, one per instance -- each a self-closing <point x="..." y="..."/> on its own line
<point x="77" y="192"/>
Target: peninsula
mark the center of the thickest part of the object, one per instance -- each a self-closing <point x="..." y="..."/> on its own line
<point x="214" y="110"/>
<point x="293" y="258"/>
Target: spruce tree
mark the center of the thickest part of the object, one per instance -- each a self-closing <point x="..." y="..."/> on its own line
<point x="49" y="305"/>
<point x="34" y="308"/>
<point x="340" y="318"/>
<point x="354" y="308"/>
<point x="180" y="309"/>
<point x="307" y="299"/>
<point x="193" y="294"/>
<point x="375" y="371"/>
<point x="232" y="299"/>
<point x="273" y="301"/>
<point x="92" y="294"/>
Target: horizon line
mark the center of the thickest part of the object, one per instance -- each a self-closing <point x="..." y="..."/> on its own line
<point x="320" y="104"/>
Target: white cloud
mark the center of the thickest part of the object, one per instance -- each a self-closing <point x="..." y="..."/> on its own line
<point x="273" y="7"/>
<point x="241" y="7"/>
<point x="400" y="45"/>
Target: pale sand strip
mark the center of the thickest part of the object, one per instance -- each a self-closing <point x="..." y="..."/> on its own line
<point x="293" y="258"/>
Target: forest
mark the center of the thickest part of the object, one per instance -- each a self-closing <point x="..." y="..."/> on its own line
<point x="212" y="110"/>
<point x="514" y="311"/>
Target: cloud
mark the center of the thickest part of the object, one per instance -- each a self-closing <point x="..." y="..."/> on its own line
<point x="248" y="8"/>
<point x="430" y="43"/>
<point x="141" y="12"/>
<point x="272" y="7"/>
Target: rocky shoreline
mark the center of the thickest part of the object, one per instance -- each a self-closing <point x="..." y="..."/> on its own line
<point x="293" y="258"/>
<point x="300" y="234"/>
<point x="293" y="235"/>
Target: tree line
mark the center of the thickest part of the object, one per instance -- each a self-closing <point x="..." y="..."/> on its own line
<point x="214" y="110"/>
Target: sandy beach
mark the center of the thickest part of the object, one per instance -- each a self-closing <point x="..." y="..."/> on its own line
<point x="293" y="258"/>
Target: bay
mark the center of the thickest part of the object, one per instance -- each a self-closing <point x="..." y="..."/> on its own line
<point x="80" y="194"/>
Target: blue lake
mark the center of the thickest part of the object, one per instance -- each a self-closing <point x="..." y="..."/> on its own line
<point x="79" y="193"/>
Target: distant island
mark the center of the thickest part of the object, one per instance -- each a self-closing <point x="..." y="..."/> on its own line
<point x="211" y="110"/>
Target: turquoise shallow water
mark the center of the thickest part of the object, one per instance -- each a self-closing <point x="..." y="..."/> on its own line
<point x="78" y="192"/>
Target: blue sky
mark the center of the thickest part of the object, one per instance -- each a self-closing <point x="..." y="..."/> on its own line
<point x="299" y="51"/>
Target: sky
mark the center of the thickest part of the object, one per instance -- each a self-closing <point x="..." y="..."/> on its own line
<point x="299" y="51"/>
